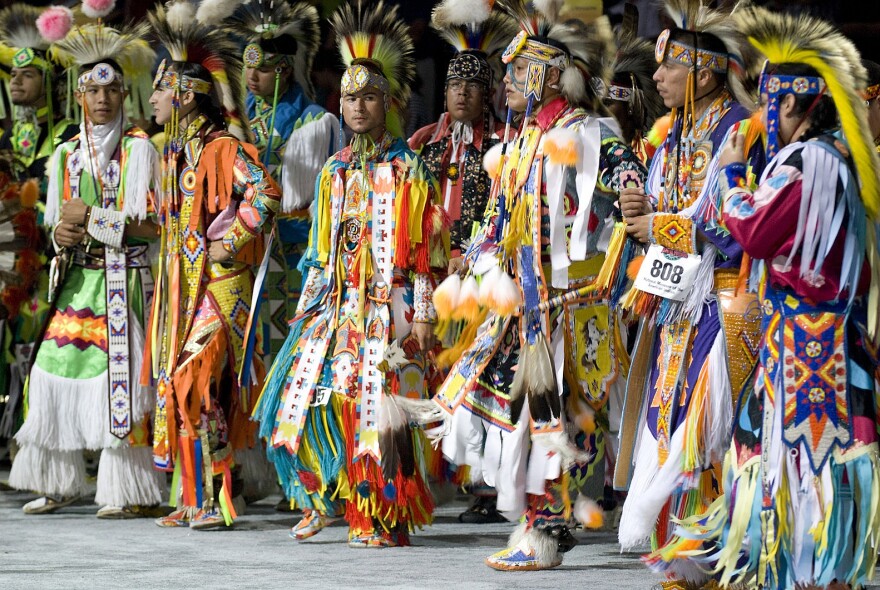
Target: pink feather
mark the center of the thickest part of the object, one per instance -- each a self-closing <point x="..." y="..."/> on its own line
<point x="54" y="23"/>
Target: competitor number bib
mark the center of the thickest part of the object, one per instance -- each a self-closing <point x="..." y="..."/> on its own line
<point x="667" y="273"/>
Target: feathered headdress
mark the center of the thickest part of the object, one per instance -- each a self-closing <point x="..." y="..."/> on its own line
<point x="581" y="51"/>
<point x="786" y="39"/>
<point x="198" y="38"/>
<point x="18" y="30"/>
<point x="633" y="71"/>
<point x="374" y="34"/>
<point x="279" y="32"/>
<point x="26" y="33"/>
<point x="97" y="43"/>
<point x="477" y="33"/>
<point x="694" y="17"/>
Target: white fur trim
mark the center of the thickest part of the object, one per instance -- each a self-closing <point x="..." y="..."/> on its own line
<point x="142" y="173"/>
<point x="126" y="478"/>
<point x="651" y="487"/>
<point x="305" y="154"/>
<point x="545" y="547"/>
<point x="572" y="84"/>
<point x="52" y="473"/>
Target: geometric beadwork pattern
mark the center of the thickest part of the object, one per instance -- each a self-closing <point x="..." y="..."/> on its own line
<point x="814" y="384"/>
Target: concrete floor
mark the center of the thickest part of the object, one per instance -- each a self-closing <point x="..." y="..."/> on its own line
<point x="74" y="550"/>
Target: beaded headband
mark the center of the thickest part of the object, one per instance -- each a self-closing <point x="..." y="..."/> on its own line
<point x="102" y="75"/>
<point x="776" y="85"/>
<point x="872" y="92"/>
<point x="467" y="66"/>
<point x="255" y="57"/>
<point x="620" y="93"/>
<point x="169" y="80"/>
<point x="533" y="50"/>
<point x="27" y="57"/>
<point x="358" y="77"/>
<point x="669" y="50"/>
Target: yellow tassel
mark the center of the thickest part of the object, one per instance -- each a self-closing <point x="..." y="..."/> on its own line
<point x="611" y="264"/>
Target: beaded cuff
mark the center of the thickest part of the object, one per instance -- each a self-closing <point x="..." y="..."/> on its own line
<point x="107" y="226"/>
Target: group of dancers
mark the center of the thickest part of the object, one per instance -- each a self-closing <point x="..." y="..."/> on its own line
<point x="654" y="265"/>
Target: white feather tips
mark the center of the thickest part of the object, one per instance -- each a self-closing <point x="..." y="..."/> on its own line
<point x="562" y="146"/>
<point x="461" y="12"/>
<point x="492" y="160"/>
<point x="588" y="512"/>
<point x="214" y="12"/>
<point x="180" y="14"/>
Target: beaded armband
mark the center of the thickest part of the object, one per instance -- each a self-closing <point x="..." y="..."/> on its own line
<point x="107" y="226"/>
<point x="423" y="300"/>
<point x="237" y="236"/>
<point x="672" y="231"/>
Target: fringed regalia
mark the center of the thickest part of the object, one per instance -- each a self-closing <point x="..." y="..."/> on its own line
<point x="375" y="238"/>
<point x="215" y="190"/>
<point x="202" y="312"/>
<point x="691" y="357"/>
<point x="801" y="475"/>
<point x="526" y="394"/>
<point x="453" y="151"/>
<point x="83" y="391"/>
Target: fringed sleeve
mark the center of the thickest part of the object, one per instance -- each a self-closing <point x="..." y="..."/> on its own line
<point x="247" y="179"/>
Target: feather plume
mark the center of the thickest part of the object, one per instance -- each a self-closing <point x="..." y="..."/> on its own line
<point x="55" y="22"/>
<point x="562" y="146"/>
<point x="694" y="15"/>
<point x="446" y="296"/>
<point x="588" y="512"/>
<point x="18" y="27"/>
<point x="473" y="26"/>
<point x="455" y="13"/>
<point x="188" y="40"/>
<point x="395" y="440"/>
<point x="468" y="307"/>
<point x="492" y="160"/>
<point x="505" y="296"/>
<point x="214" y="12"/>
<point x="180" y="15"/>
<point x="257" y="22"/>
<point x="634" y="66"/>
<point x="487" y="282"/>
<point x="98" y="8"/>
<point x="783" y="38"/>
<point x="375" y="32"/>
<point x="541" y="389"/>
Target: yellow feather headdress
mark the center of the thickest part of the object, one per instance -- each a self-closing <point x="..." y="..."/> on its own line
<point x="373" y="33"/>
<point x="783" y="38"/>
